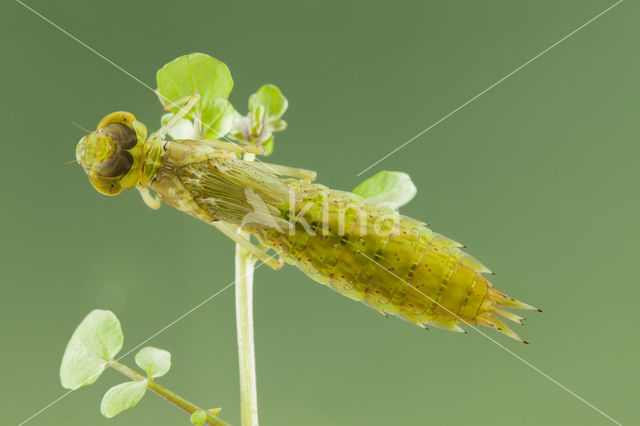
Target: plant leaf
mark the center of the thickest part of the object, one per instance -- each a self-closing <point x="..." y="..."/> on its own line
<point x="278" y="125"/>
<point x="394" y="189"/>
<point x="217" y="118"/>
<point x="268" y="146"/>
<point x="194" y="73"/>
<point x="198" y="417"/>
<point x="155" y="362"/>
<point x="122" y="397"/>
<point x="95" y="341"/>
<point x="272" y="99"/>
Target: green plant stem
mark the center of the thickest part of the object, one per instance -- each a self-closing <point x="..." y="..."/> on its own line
<point x="167" y="394"/>
<point x="244" y="322"/>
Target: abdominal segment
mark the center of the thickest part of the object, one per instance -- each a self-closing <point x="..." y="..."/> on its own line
<point x="392" y="263"/>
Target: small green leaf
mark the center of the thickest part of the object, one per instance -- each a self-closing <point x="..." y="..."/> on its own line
<point x="272" y="99"/>
<point x="268" y="146"/>
<point x="217" y="118"/>
<point x="214" y="411"/>
<point x="96" y="341"/>
<point x="198" y="417"/>
<point x="122" y="397"/>
<point x="194" y="73"/>
<point x="394" y="189"/>
<point x="278" y="125"/>
<point x="155" y="362"/>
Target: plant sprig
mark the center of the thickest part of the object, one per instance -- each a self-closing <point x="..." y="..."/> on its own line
<point x="214" y="116"/>
<point x="93" y="347"/>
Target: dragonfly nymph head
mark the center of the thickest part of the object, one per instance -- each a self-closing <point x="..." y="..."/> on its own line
<point x="111" y="155"/>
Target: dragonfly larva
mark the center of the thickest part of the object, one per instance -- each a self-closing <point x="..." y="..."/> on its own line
<point x="365" y="251"/>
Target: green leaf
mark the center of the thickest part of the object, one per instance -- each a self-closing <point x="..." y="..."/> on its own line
<point x="394" y="189"/>
<point x="96" y="341"/>
<point x="198" y="417"/>
<point x="155" y="362"/>
<point x="272" y="99"/>
<point x="268" y="146"/>
<point x="194" y="73"/>
<point x="122" y="397"/>
<point x="214" y="411"/>
<point x="217" y="118"/>
<point x="278" y="125"/>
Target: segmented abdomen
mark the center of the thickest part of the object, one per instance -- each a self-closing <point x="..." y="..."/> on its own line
<point x="365" y="251"/>
<point x="390" y="262"/>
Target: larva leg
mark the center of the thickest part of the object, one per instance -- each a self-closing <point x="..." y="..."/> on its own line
<point x="230" y="232"/>
<point x="168" y="107"/>
<point x="233" y="147"/>
<point x="149" y="200"/>
<point x="189" y="103"/>
<point x="259" y="244"/>
<point x="308" y="175"/>
<point x="181" y="152"/>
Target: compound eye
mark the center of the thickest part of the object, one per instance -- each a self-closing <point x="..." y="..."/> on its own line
<point x="104" y="185"/>
<point x="124" y="136"/>
<point x="118" y="165"/>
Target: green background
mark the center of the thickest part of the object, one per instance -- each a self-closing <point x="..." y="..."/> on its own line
<point x="539" y="177"/>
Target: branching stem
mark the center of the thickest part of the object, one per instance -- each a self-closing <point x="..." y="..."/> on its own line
<point x="167" y="394"/>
